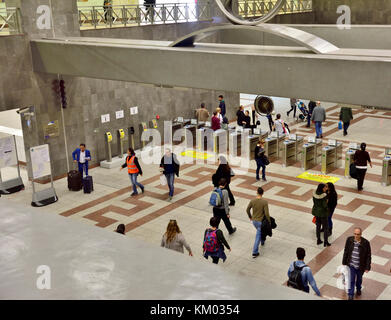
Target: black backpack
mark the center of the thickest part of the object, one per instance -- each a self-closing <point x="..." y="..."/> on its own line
<point x="295" y="280"/>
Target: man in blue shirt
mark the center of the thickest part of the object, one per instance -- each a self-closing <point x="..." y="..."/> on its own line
<point x="82" y="156"/>
<point x="306" y="273"/>
<point x="222" y="105"/>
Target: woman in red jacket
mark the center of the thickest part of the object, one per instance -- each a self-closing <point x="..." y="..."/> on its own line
<point x="215" y="122"/>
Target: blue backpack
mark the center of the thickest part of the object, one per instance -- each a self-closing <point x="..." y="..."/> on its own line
<point x="216" y="198"/>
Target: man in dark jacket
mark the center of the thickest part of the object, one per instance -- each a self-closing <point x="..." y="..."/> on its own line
<point x="357" y="255"/>
<point x="345" y="115"/>
<point x="170" y="165"/>
<point x="311" y="107"/>
<point x="222" y="105"/>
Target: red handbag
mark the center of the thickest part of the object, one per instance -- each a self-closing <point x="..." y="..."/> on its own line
<point x="314" y="219"/>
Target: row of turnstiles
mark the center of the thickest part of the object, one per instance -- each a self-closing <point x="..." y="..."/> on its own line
<point x="291" y="149"/>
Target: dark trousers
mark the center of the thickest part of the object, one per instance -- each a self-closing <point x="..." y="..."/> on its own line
<point x="83" y="166"/>
<point x="322" y="222"/>
<point x="293" y="108"/>
<point x="330" y="221"/>
<point x="308" y="119"/>
<point x="230" y="195"/>
<point x="215" y="260"/>
<point x="220" y="214"/>
<point x="271" y="123"/>
<point x="355" y="279"/>
<point x="260" y="165"/>
<point x="360" y="178"/>
<point x="345" y="127"/>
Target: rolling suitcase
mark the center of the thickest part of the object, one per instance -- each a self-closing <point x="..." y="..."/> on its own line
<point x="75" y="180"/>
<point x="88" y="185"/>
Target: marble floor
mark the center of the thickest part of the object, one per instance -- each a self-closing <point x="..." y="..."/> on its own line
<point x="290" y="202"/>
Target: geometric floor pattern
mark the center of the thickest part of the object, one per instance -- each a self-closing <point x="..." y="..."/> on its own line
<point x="290" y="203"/>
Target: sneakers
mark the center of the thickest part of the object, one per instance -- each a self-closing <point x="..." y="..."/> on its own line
<point x="319" y="241"/>
<point x="233" y="230"/>
<point x="255" y="255"/>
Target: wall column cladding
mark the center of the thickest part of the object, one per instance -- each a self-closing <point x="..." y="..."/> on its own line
<point x="87" y="99"/>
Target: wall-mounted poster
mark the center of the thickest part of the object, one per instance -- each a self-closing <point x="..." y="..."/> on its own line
<point x="7" y="152"/>
<point x="52" y="129"/>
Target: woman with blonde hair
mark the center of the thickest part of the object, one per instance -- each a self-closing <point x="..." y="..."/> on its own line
<point x="173" y="238"/>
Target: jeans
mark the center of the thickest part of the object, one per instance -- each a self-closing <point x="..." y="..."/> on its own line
<point x="257" y="225"/>
<point x="133" y="179"/>
<point x="330" y="221"/>
<point x="170" y="181"/>
<point x="355" y="279"/>
<point x="345" y="127"/>
<point x="318" y="128"/>
<point x="259" y="165"/>
<point x="220" y="214"/>
<point x="360" y="178"/>
<point x="83" y="167"/>
<point x="324" y="223"/>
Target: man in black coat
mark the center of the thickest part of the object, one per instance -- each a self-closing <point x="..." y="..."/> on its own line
<point x="357" y="255"/>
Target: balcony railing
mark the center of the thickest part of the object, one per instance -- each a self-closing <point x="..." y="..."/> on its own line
<point x="254" y="8"/>
<point x="127" y="15"/>
<point x="10" y="21"/>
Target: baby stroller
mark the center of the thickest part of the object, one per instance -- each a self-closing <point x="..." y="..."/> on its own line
<point x="304" y="111"/>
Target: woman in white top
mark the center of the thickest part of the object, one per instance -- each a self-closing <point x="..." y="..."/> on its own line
<point x="279" y="125"/>
<point x="219" y="115"/>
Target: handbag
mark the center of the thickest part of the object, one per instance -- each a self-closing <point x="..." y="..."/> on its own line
<point x="314" y="219"/>
<point x="163" y="180"/>
<point x="340" y="125"/>
<point x="266" y="160"/>
<point x="353" y="171"/>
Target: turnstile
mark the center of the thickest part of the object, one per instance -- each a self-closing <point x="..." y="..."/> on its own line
<point x="331" y="156"/>
<point x="220" y="141"/>
<point x="308" y="157"/>
<point x="190" y="136"/>
<point x="353" y="147"/>
<point x="205" y="139"/>
<point x="235" y="142"/>
<point x="292" y="149"/>
<point x="386" y="169"/>
<point x="271" y="149"/>
<point x="253" y="141"/>
<point x="175" y="126"/>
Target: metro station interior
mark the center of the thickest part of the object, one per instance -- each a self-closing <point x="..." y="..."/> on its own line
<point x="120" y="74"/>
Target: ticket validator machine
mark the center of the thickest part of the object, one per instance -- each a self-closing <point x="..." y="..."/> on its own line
<point x="331" y="155"/>
<point x="190" y="136"/>
<point x="121" y="138"/>
<point x="311" y="152"/>
<point x="274" y="145"/>
<point x="292" y="149"/>
<point x="220" y="143"/>
<point x="386" y="169"/>
<point x="109" y="139"/>
<point x="353" y="147"/>
<point x="204" y="139"/>
<point x="176" y="125"/>
<point x="253" y="139"/>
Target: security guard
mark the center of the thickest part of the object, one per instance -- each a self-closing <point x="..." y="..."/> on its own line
<point x="134" y="170"/>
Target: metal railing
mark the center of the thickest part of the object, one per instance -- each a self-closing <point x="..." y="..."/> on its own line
<point x="254" y="8"/>
<point x="122" y="16"/>
<point x="10" y="21"/>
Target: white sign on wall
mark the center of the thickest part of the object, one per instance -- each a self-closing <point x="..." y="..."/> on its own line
<point x="40" y="161"/>
<point x="119" y="114"/>
<point x="105" y="118"/>
<point x="134" y="110"/>
<point x="7" y="152"/>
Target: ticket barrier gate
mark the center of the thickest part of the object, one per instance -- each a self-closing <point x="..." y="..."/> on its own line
<point x="292" y="149"/>
<point x="204" y="136"/>
<point x="331" y="155"/>
<point x="353" y="147"/>
<point x="253" y="141"/>
<point x="235" y="142"/>
<point x="274" y="146"/>
<point x="220" y="144"/>
<point x="386" y="169"/>
<point x="308" y="158"/>
<point x="175" y="126"/>
<point x="190" y="136"/>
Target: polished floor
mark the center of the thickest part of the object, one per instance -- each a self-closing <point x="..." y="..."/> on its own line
<point x="290" y="199"/>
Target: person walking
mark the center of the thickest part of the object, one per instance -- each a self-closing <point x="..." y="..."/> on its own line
<point x="301" y="282"/>
<point x="214" y="242"/>
<point x="259" y="155"/>
<point x="279" y="125"/>
<point x="320" y="211"/>
<point x="357" y="255"/>
<point x="345" y="115"/>
<point x="222" y="211"/>
<point x="222" y="105"/>
<point x="108" y="8"/>
<point x="173" y="238"/>
<point x="240" y="116"/>
<point x="216" y="125"/>
<point x="260" y="209"/>
<point x="293" y="107"/>
<point x="318" y="116"/>
<point x="81" y="156"/>
<point x="202" y="114"/>
<point x="224" y="171"/>
<point x="170" y="165"/>
<point x="134" y="169"/>
<point x="361" y="159"/>
<point x="150" y="10"/>
<point x="270" y="120"/>
<point x="311" y="107"/>
<point x="332" y="200"/>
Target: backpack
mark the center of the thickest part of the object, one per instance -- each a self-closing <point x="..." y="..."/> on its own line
<point x="210" y="242"/>
<point x="216" y="198"/>
<point x="295" y="280"/>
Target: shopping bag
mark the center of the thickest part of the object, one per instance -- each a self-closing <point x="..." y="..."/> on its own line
<point x="340" y="125"/>
<point x="163" y="180"/>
